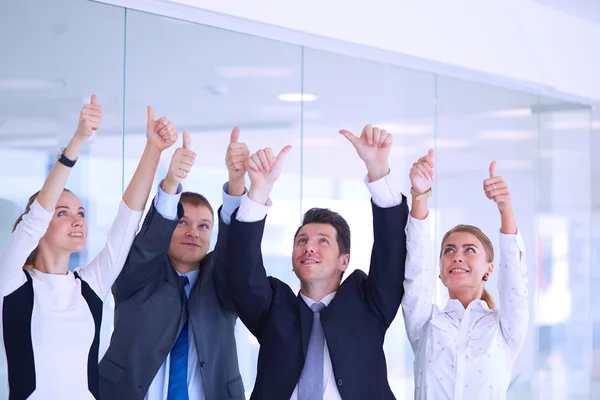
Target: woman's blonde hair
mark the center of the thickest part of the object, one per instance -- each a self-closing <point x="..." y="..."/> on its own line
<point x="487" y="247"/>
<point x="31" y="258"/>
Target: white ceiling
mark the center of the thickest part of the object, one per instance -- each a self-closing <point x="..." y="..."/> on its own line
<point x="586" y="9"/>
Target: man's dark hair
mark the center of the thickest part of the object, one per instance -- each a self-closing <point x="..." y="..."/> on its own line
<point x="326" y="216"/>
<point x="196" y="199"/>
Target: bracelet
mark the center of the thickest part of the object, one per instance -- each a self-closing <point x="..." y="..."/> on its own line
<point x="420" y="196"/>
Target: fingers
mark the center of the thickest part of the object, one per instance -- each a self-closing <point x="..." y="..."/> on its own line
<point x="94" y="99"/>
<point x="264" y="159"/>
<point x="235" y="135"/>
<point x="187" y="140"/>
<point x="150" y="114"/>
<point x="367" y="133"/>
<point x="385" y="139"/>
<point x="493" y="169"/>
<point x="350" y="136"/>
<point x="376" y="137"/>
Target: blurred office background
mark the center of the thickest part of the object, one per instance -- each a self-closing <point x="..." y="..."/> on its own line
<point x="207" y="79"/>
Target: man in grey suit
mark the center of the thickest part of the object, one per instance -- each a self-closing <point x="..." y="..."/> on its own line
<point x="174" y="324"/>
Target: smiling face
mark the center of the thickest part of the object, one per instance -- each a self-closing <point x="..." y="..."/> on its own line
<point x="191" y="239"/>
<point x="67" y="230"/>
<point x="466" y="256"/>
<point x="316" y="255"/>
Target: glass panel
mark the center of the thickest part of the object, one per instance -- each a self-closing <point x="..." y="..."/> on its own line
<point x="350" y="93"/>
<point x="54" y="56"/>
<point x="563" y="313"/>
<point x="206" y="81"/>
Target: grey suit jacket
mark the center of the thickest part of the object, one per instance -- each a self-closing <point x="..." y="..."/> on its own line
<point x="149" y="315"/>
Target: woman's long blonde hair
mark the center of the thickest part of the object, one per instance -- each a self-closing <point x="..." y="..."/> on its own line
<point x="31" y="258"/>
<point x="487" y="247"/>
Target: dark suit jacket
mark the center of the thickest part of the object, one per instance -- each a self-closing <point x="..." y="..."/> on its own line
<point x="149" y="315"/>
<point x="355" y="322"/>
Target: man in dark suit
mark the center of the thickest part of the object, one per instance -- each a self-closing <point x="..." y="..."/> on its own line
<point x="174" y="325"/>
<point x="327" y="341"/>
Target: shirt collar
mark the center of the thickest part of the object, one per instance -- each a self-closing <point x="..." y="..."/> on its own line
<point x="325" y="300"/>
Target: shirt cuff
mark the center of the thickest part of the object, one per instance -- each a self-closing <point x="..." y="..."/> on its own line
<point x="383" y="193"/>
<point x="166" y="204"/>
<point x="251" y="211"/>
<point x="230" y="203"/>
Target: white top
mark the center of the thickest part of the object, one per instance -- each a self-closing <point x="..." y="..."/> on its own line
<point x="62" y="322"/>
<point x="166" y="205"/>
<point x="463" y="354"/>
<point x="384" y="195"/>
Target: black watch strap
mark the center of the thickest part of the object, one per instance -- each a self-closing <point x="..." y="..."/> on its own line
<point x="64" y="160"/>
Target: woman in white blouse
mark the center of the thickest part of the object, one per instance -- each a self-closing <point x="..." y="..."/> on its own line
<point x="50" y="315"/>
<point x="467" y="349"/>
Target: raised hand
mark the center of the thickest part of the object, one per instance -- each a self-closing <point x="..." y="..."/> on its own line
<point x="422" y="173"/>
<point x="89" y="119"/>
<point x="496" y="189"/>
<point x="161" y="133"/>
<point x="237" y="156"/>
<point x="373" y="147"/>
<point x="264" y="169"/>
<point x="181" y="164"/>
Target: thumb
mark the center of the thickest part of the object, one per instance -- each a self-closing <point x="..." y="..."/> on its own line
<point x="94" y="99"/>
<point x="493" y="169"/>
<point x="350" y="136"/>
<point x="431" y="153"/>
<point x="282" y="155"/>
<point x="235" y="134"/>
<point x="150" y="114"/>
<point x="187" y="140"/>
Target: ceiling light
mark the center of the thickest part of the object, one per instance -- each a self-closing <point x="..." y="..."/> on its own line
<point x="447" y="143"/>
<point x="507" y="134"/>
<point x="514" y="113"/>
<point x="32" y="84"/>
<point x="297" y="97"/>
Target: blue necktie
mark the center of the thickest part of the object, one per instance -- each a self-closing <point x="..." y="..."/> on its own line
<point x="310" y="386"/>
<point x="178" y="368"/>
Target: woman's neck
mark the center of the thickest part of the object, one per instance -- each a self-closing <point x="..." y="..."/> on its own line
<point x="52" y="262"/>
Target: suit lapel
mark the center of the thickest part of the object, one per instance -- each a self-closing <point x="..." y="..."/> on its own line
<point x="306" y="319"/>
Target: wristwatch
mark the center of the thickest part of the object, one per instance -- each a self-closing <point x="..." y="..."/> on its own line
<point x="64" y="160"/>
<point x="420" y="196"/>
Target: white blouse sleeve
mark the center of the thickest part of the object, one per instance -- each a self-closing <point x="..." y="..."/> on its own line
<point x="19" y="246"/>
<point x="419" y="279"/>
<point x="104" y="269"/>
<point x="512" y="287"/>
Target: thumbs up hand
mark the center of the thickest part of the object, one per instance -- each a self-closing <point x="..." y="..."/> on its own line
<point x="181" y="164"/>
<point x="89" y="119"/>
<point x="237" y="156"/>
<point x="496" y="189"/>
<point x="160" y="133"/>
<point x="373" y="147"/>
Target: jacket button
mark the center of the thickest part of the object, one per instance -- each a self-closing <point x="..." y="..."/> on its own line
<point x="202" y="364"/>
<point x="340" y="382"/>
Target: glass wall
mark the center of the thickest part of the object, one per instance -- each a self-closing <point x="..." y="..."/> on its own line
<point x="208" y="80"/>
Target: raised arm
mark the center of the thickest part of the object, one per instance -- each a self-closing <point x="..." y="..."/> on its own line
<point x="419" y="280"/>
<point x="34" y="223"/>
<point x="236" y="159"/>
<point x="383" y="287"/>
<point x="151" y="244"/>
<point x="242" y="265"/>
<point x="103" y="270"/>
<point x="512" y="277"/>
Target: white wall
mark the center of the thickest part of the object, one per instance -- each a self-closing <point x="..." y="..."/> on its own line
<point x="516" y="39"/>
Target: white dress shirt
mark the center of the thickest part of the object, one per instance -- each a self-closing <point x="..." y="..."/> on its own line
<point x="384" y="195"/>
<point x="463" y="354"/>
<point x="166" y="205"/>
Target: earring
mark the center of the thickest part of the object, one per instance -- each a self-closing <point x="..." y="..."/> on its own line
<point x="486" y="277"/>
